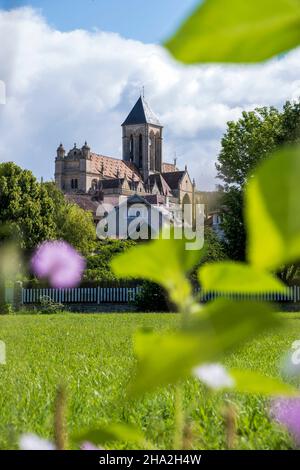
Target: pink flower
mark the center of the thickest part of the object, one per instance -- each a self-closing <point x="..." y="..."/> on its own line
<point x="287" y="412"/>
<point x="59" y="262"/>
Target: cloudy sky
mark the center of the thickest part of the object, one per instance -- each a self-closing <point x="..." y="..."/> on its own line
<point x="73" y="70"/>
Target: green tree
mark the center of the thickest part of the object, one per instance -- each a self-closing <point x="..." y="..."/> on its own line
<point x="247" y="142"/>
<point x="26" y="213"/>
<point x="214" y="251"/>
<point x="26" y="210"/>
<point x="98" y="264"/>
<point x="73" y="224"/>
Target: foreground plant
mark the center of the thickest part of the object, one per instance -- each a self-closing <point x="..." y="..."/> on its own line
<point x="228" y="31"/>
<point x="58" y="262"/>
<point x="237" y="31"/>
<point x="287" y="413"/>
<point x="208" y="332"/>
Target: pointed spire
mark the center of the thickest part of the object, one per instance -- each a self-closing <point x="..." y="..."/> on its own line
<point x="141" y="114"/>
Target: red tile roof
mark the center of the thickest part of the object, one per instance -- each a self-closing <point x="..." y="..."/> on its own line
<point x="168" y="167"/>
<point x="110" y="167"/>
<point x="84" y="201"/>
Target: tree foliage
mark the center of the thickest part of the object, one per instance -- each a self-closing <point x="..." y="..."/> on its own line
<point x="98" y="264"/>
<point x="73" y="224"/>
<point x="246" y="143"/>
<point x="26" y="209"/>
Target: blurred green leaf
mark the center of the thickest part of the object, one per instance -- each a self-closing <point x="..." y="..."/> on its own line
<point x="222" y="325"/>
<point x="10" y="261"/>
<point x="247" y="381"/>
<point x="272" y="211"/>
<point x="237" y="31"/>
<point x="110" y="433"/>
<point x="165" y="262"/>
<point x="238" y="278"/>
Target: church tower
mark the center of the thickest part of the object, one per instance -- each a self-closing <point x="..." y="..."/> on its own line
<point x="142" y="139"/>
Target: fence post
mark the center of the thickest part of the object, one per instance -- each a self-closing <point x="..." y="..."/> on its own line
<point x="17" y="295"/>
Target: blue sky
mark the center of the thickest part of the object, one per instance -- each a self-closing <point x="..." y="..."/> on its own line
<point x="147" y="21"/>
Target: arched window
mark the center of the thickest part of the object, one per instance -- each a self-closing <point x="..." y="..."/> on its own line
<point x="187" y="209"/>
<point x="152" y="151"/>
<point x="140" y="151"/>
<point x="157" y="154"/>
<point x="131" y="147"/>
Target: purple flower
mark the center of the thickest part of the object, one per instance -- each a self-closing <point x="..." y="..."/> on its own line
<point x="88" y="446"/>
<point x="33" y="442"/>
<point x="287" y="412"/>
<point x="59" y="262"/>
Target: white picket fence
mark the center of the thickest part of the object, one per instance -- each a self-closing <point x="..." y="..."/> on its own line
<point x="99" y="295"/>
<point x="82" y="295"/>
<point x="292" y="295"/>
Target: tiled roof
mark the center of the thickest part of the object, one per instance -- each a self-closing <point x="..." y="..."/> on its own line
<point x="173" y="178"/>
<point x="83" y="201"/>
<point x="162" y="185"/>
<point x="141" y="113"/>
<point x="110" y="167"/>
<point x="111" y="183"/>
<point x="168" y="167"/>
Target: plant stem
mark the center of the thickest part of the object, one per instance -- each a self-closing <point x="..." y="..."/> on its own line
<point x="60" y="427"/>
<point x="179" y="420"/>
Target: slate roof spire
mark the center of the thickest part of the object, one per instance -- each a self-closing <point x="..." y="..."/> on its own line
<point x="141" y="113"/>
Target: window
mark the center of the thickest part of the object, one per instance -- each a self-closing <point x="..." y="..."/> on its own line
<point x="131" y="147"/>
<point x="74" y="184"/>
<point x="152" y="151"/>
<point x="140" y="151"/>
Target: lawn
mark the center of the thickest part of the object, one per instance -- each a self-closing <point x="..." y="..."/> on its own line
<point x="93" y="355"/>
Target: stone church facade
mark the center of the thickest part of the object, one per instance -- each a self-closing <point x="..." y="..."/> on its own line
<point x="89" y="179"/>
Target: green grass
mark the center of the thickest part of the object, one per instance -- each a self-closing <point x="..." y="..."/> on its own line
<point x="93" y="355"/>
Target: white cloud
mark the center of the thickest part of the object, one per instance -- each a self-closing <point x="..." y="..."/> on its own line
<point x="79" y="85"/>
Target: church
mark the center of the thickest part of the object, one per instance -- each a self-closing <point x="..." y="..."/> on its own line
<point x="89" y="179"/>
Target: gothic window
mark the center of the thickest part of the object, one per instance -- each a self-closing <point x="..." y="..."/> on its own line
<point x="140" y="151"/>
<point x="94" y="184"/>
<point x="152" y="152"/>
<point x="157" y="154"/>
<point x="131" y="147"/>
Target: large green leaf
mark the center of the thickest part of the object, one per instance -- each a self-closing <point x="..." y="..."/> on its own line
<point x="112" y="433"/>
<point x="247" y="381"/>
<point x="272" y="211"/>
<point x="237" y="31"/>
<point x="165" y="261"/>
<point x="166" y="358"/>
<point x="238" y="278"/>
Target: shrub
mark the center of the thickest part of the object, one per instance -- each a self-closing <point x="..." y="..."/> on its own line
<point x="152" y="298"/>
<point x="6" y="309"/>
<point x="49" y="306"/>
